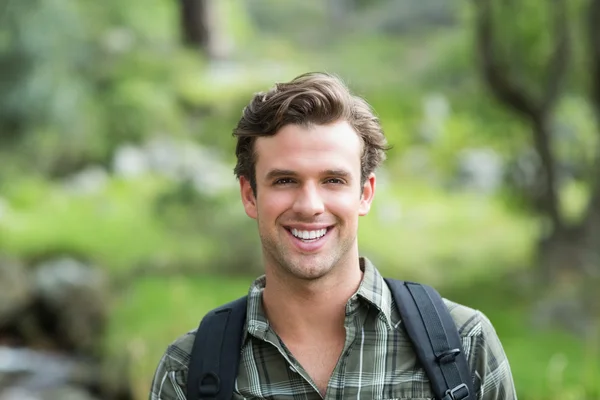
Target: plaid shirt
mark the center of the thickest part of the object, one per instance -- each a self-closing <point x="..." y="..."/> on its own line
<point x="377" y="362"/>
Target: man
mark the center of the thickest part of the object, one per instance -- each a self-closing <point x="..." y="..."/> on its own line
<point x="321" y="322"/>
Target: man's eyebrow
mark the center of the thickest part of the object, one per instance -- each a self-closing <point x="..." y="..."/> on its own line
<point x="336" y="172"/>
<point x="276" y="173"/>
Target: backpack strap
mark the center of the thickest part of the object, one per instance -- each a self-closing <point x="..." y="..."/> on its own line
<point x="435" y="339"/>
<point x="215" y="354"/>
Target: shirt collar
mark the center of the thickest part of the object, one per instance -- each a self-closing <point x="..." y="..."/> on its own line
<point x="373" y="290"/>
<point x="256" y="318"/>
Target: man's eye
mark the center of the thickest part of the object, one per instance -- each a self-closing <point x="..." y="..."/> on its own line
<point x="336" y="181"/>
<point x="283" y="181"/>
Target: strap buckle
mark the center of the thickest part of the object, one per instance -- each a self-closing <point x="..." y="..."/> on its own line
<point x="448" y="356"/>
<point x="458" y="393"/>
<point x="210" y="385"/>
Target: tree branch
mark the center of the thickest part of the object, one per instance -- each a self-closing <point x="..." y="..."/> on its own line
<point x="506" y="90"/>
<point x="495" y="73"/>
<point x="193" y="23"/>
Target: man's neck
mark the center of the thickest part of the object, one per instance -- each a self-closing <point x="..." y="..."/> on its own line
<point x="300" y="310"/>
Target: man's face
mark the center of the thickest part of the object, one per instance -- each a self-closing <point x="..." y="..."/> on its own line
<point x="308" y="198"/>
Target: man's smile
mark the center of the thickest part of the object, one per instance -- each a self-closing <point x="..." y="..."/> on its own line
<point x="309" y="240"/>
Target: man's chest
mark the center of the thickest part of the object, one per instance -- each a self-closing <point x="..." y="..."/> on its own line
<point x="379" y="364"/>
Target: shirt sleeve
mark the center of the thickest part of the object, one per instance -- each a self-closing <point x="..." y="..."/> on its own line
<point x="167" y="383"/>
<point x="492" y="366"/>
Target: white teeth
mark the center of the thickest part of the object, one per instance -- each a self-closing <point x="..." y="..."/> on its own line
<point x="308" y="235"/>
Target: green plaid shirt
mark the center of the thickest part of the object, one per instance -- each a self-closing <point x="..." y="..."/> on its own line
<point x="377" y="362"/>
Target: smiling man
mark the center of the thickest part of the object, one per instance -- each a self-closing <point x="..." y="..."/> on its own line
<point x="322" y="322"/>
<point x="307" y="199"/>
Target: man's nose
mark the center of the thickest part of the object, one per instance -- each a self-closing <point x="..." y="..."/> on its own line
<point x="309" y="201"/>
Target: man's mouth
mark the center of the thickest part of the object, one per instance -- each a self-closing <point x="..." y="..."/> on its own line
<point x="308" y="236"/>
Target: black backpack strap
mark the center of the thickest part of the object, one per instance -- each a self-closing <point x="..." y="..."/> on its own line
<point x="215" y="355"/>
<point x="435" y="338"/>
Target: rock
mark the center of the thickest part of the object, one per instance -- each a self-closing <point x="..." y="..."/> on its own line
<point x="52" y="318"/>
<point x="77" y="295"/>
<point x="15" y="289"/>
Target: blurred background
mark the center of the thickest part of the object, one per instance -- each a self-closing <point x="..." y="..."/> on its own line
<point x="117" y="158"/>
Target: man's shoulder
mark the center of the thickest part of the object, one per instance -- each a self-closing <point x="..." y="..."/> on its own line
<point x="171" y="373"/>
<point x="178" y="353"/>
<point x="469" y="321"/>
<point x="485" y="352"/>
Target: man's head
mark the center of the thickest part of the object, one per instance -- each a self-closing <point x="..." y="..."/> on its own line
<point x="307" y="151"/>
<point x="309" y="99"/>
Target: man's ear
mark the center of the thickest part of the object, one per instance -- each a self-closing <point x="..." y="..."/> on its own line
<point x="368" y="193"/>
<point x="248" y="198"/>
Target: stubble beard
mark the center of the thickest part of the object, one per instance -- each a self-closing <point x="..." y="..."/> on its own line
<point x="288" y="262"/>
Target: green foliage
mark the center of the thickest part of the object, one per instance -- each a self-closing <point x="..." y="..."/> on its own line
<point x="410" y="234"/>
<point x="42" y="53"/>
<point x="232" y="243"/>
<point x="81" y="79"/>
<point x="44" y="219"/>
<point x="131" y="224"/>
<point x="275" y="16"/>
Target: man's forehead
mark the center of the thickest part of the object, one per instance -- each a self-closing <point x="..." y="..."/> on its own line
<point x="339" y="135"/>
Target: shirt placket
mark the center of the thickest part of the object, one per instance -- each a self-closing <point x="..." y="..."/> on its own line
<point x="355" y="318"/>
<point x="274" y="340"/>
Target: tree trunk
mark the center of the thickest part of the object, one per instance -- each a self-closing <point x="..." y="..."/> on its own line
<point x="202" y="27"/>
<point x="194" y="23"/>
<point x="549" y="198"/>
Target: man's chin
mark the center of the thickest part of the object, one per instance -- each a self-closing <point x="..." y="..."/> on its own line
<point x="309" y="270"/>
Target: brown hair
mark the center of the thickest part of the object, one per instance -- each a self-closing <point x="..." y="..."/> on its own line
<point x="312" y="98"/>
